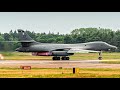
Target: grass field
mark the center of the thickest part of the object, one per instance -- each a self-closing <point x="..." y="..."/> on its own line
<point x="59" y="73"/>
<point x="77" y="56"/>
<point x="111" y="58"/>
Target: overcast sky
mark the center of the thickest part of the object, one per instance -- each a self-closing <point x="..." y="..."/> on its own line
<point x="63" y="22"/>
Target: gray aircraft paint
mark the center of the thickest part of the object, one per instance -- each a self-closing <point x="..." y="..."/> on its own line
<point x="87" y="46"/>
<point x="30" y="45"/>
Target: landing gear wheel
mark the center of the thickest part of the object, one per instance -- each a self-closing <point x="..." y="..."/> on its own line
<point x="100" y="58"/>
<point x="65" y="58"/>
<point x="56" y="58"/>
<point x="100" y="55"/>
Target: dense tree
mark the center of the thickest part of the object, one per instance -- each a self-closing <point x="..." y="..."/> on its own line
<point x="1" y="44"/>
<point x="80" y="35"/>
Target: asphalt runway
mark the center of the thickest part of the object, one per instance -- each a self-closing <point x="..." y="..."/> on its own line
<point x="56" y="64"/>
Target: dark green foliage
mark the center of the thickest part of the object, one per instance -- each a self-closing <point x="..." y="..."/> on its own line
<point x="80" y="35"/>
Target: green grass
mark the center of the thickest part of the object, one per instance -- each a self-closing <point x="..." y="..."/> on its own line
<point x="23" y="56"/>
<point x="59" y="73"/>
<point x="111" y="61"/>
<point x="110" y="58"/>
<point x="94" y="56"/>
<point x="76" y="56"/>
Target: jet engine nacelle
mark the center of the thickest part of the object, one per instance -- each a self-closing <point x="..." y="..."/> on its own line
<point x="61" y="53"/>
<point x="41" y="53"/>
<point x="53" y="53"/>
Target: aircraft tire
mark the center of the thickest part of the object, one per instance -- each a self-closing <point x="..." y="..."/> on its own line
<point x="100" y="58"/>
<point x="65" y="58"/>
<point x="56" y="58"/>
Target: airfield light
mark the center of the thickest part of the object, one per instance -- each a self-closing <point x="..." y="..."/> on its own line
<point x="1" y="57"/>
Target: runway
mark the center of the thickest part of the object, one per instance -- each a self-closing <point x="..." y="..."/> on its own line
<point x="56" y="64"/>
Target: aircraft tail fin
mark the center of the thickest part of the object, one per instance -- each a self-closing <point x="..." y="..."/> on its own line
<point x="24" y="38"/>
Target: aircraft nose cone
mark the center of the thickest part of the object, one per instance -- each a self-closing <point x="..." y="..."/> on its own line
<point x="114" y="47"/>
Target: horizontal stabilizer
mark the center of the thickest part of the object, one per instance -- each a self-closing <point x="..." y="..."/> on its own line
<point x="19" y="41"/>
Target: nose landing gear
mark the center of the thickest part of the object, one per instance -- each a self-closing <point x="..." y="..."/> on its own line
<point x="100" y="55"/>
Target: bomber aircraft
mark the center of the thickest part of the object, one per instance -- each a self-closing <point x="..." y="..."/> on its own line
<point x="59" y="51"/>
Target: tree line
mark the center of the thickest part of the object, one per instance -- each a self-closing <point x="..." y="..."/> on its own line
<point x="80" y="35"/>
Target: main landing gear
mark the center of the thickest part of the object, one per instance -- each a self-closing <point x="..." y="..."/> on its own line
<point x="56" y="58"/>
<point x="65" y="58"/>
<point x="62" y="58"/>
<point x="100" y="55"/>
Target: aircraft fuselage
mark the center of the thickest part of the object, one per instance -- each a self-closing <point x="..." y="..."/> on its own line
<point x="49" y="46"/>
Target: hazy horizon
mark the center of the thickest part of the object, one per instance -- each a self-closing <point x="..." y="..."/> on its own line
<point x="62" y="22"/>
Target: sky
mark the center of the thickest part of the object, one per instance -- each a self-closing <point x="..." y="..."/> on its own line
<point x="62" y="22"/>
